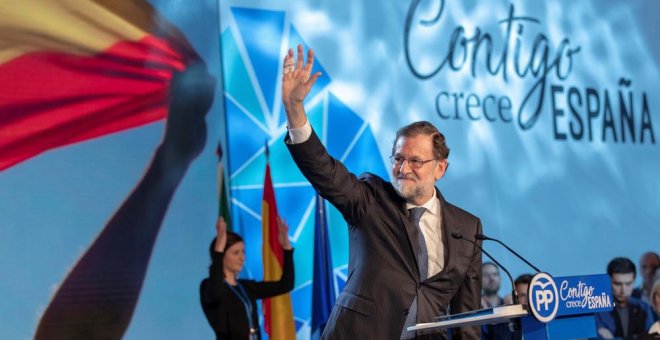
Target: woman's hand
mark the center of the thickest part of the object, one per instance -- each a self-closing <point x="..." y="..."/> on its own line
<point x="221" y="235"/>
<point x="283" y="234"/>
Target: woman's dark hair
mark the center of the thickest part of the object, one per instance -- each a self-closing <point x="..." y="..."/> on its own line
<point x="232" y="238"/>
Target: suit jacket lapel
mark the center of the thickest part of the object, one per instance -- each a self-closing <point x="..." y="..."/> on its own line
<point x="448" y="225"/>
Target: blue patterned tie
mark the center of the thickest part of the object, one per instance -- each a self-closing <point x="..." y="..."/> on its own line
<point x="422" y="252"/>
<point x="423" y="262"/>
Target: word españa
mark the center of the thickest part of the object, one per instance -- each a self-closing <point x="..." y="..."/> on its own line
<point x="576" y="114"/>
<point x="614" y="117"/>
<point x="582" y="296"/>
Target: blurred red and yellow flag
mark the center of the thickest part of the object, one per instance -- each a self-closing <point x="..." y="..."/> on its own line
<point x="278" y="313"/>
<point x="71" y="70"/>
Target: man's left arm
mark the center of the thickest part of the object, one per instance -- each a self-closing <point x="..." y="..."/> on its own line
<point x="468" y="296"/>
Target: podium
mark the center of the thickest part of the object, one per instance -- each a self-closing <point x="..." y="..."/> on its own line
<point x="556" y="311"/>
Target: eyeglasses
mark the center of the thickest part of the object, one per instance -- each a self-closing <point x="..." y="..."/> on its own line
<point x="414" y="163"/>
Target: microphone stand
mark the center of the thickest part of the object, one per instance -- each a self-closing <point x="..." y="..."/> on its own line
<point x="483" y="237"/>
<point x="514" y="294"/>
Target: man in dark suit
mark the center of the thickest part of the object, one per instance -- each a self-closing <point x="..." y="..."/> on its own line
<point x="630" y="318"/>
<point x="404" y="266"/>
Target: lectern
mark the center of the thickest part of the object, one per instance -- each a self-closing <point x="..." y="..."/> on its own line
<point x="559" y="308"/>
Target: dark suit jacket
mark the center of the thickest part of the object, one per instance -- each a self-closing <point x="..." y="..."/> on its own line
<point x="640" y="320"/>
<point x="383" y="274"/>
<point x="224" y="310"/>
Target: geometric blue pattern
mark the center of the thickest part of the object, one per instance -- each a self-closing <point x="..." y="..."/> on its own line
<point x="246" y="136"/>
<point x="262" y="46"/>
<point x="344" y="119"/>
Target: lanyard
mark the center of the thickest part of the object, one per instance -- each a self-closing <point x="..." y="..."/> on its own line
<point x="242" y="295"/>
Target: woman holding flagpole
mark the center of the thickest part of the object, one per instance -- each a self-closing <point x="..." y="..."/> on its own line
<point x="229" y="303"/>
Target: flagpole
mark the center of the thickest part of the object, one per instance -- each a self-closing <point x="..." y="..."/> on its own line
<point x="223" y="197"/>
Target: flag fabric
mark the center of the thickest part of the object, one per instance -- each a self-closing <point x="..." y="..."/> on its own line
<point x="72" y="70"/>
<point x="323" y="287"/>
<point x="278" y="313"/>
<point x="223" y="197"/>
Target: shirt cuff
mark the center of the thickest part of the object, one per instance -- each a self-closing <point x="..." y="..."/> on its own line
<point x="301" y="134"/>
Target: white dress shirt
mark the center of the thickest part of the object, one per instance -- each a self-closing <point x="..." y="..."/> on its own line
<point x="301" y="134"/>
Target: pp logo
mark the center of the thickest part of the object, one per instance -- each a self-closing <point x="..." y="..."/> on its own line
<point x="543" y="297"/>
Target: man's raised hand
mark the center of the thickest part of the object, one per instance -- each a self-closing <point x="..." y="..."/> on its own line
<point x="297" y="81"/>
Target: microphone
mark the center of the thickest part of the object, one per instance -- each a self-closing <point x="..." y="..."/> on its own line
<point x="514" y="294"/>
<point x="483" y="237"/>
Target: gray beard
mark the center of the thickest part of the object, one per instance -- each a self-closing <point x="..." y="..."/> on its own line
<point x="410" y="193"/>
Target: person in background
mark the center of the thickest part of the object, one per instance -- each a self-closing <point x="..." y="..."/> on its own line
<point x="630" y="316"/>
<point x="229" y="303"/>
<point x="490" y="285"/>
<point x="522" y="285"/>
<point x="504" y="331"/>
<point x="654" y="297"/>
<point x="648" y="263"/>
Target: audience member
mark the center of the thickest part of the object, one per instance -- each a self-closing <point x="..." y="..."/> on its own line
<point x="647" y="266"/>
<point x="630" y="316"/>
<point x="655" y="304"/>
<point x="504" y="331"/>
<point x="490" y="285"/>
<point x="522" y="285"/>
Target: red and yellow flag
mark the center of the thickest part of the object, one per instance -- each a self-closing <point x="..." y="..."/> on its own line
<point x="278" y="313"/>
<point x="71" y="70"/>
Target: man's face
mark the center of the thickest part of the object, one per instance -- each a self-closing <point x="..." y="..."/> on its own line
<point x="416" y="185"/>
<point x="647" y="264"/>
<point x="490" y="279"/>
<point x="622" y="285"/>
<point x="521" y="289"/>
